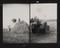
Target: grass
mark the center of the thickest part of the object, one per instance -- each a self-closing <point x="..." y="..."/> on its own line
<point x="15" y="38"/>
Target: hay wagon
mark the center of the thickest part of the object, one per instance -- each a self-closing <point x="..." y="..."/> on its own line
<point x="38" y="26"/>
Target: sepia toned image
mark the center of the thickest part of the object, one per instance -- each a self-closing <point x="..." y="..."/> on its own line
<point x="37" y="25"/>
<point x="43" y="23"/>
<point x="15" y="23"/>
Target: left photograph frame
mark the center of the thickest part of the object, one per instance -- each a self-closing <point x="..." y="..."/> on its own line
<point x="15" y="17"/>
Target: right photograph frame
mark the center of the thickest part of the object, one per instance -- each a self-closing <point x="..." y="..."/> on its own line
<point x="43" y="23"/>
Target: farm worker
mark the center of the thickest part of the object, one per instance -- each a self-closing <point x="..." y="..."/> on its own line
<point x="9" y="28"/>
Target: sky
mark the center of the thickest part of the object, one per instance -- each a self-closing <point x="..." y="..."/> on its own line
<point x="42" y="11"/>
<point x="11" y="11"/>
<point x="46" y="11"/>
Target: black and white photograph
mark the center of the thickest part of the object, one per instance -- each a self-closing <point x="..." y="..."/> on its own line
<point x="15" y="23"/>
<point x="36" y="23"/>
<point x="43" y="23"/>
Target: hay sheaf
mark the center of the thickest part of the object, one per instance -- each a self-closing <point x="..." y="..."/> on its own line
<point x="18" y="34"/>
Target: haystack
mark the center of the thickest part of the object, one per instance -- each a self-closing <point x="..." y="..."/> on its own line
<point x="18" y="34"/>
<point x="20" y="27"/>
